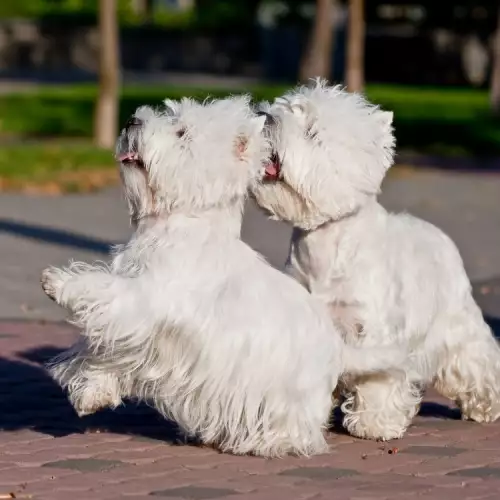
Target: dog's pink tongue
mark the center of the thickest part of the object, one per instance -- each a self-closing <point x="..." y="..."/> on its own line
<point x="271" y="169"/>
<point x="126" y="157"/>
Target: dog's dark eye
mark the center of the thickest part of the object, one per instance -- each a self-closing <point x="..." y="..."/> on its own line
<point x="133" y="122"/>
<point x="181" y="133"/>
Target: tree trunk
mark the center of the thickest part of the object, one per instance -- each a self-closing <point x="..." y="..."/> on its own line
<point x="355" y="70"/>
<point x="317" y="60"/>
<point x="106" y="112"/>
<point x="495" y="75"/>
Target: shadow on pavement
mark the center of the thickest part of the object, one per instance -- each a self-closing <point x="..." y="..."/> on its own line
<point x="439" y="411"/>
<point x="31" y="400"/>
<point x="54" y="236"/>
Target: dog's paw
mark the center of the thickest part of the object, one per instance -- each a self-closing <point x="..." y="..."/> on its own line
<point x="94" y="398"/>
<point x="52" y="281"/>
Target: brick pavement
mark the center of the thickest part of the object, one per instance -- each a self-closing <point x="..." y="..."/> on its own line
<point x="47" y="453"/>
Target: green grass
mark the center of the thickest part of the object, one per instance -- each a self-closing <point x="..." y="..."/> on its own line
<point x="441" y="121"/>
<point x="56" y="166"/>
<point x="427" y="120"/>
<point x="40" y="161"/>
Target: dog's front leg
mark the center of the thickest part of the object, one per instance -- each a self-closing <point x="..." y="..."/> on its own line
<point x="94" y="371"/>
<point x="52" y="281"/>
<point x="77" y="284"/>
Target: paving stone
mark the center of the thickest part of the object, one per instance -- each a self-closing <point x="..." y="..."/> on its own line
<point x="84" y="464"/>
<point x="148" y="439"/>
<point x="438" y="423"/>
<point x="436" y="451"/>
<point x="320" y="473"/>
<point x="195" y="493"/>
<point x="482" y="472"/>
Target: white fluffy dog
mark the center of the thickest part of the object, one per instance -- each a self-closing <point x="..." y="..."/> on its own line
<point x="189" y="318"/>
<point x="386" y="278"/>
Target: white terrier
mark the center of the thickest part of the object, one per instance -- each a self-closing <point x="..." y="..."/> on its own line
<point x="386" y="278"/>
<point x="189" y="318"/>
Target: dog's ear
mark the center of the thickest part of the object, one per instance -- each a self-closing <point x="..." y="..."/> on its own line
<point x="303" y="110"/>
<point x="171" y="106"/>
<point x="253" y="131"/>
<point x="299" y="109"/>
<point x="385" y="118"/>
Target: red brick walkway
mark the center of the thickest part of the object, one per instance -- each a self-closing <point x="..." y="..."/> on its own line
<point x="46" y="452"/>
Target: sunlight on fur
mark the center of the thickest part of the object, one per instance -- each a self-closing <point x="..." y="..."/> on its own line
<point x="187" y="317"/>
<point x="397" y="279"/>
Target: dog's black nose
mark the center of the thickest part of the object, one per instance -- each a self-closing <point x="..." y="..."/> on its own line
<point x="133" y="122"/>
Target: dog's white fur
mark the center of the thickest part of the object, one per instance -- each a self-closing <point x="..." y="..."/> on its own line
<point x="387" y="278"/>
<point x="189" y="318"/>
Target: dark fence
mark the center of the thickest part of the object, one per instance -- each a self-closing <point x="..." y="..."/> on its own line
<point x="43" y="50"/>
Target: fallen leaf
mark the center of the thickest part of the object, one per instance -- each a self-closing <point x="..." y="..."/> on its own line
<point x="6" y="496"/>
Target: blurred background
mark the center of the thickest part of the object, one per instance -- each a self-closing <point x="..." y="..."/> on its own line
<point x="72" y="70"/>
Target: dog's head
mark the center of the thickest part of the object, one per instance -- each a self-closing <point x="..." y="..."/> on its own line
<point x="331" y="150"/>
<point x="189" y="156"/>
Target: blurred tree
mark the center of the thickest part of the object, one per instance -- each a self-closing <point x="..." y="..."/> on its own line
<point x="495" y="75"/>
<point x="106" y="112"/>
<point x="144" y="9"/>
<point x="317" y="59"/>
<point x="355" y="60"/>
<point x="225" y="14"/>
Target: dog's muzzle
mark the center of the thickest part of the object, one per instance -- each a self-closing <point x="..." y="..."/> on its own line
<point x="128" y="154"/>
<point x="273" y="165"/>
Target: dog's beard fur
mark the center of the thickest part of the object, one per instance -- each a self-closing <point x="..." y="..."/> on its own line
<point x="387" y="279"/>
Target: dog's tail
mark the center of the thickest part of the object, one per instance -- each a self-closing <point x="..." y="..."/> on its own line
<point x="366" y="360"/>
